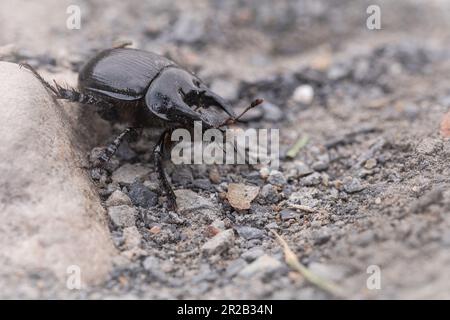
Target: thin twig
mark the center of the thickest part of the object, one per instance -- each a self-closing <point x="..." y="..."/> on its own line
<point x="292" y="261"/>
<point x="301" y="207"/>
<point x="295" y="149"/>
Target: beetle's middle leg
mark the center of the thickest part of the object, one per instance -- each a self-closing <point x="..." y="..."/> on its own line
<point x="111" y="149"/>
<point x="158" y="154"/>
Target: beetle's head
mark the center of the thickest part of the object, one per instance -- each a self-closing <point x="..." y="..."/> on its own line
<point x="176" y="94"/>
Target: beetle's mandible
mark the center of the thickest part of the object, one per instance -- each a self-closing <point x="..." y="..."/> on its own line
<point x="144" y="89"/>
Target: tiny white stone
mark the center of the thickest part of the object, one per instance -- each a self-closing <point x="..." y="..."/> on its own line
<point x="264" y="172"/>
<point x="303" y="94"/>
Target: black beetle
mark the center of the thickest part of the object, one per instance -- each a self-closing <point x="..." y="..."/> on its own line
<point x="143" y="89"/>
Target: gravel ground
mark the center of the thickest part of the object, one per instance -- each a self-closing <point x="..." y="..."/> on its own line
<point x="370" y="185"/>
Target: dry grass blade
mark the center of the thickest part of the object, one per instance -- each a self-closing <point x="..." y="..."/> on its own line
<point x="295" y="149"/>
<point x="292" y="261"/>
<point x="301" y="207"/>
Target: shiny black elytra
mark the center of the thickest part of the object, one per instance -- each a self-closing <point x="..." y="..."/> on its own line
<point x="142" y="89"/>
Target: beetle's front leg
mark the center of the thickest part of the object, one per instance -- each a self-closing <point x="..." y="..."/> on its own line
<point x="158" y="154"/>
<point x="111" y="149"/>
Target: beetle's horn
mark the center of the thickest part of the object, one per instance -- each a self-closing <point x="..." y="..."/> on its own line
<point x="211" y="99"/>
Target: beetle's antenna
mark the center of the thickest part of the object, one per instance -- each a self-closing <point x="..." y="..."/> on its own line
<point x="231" y="120"/>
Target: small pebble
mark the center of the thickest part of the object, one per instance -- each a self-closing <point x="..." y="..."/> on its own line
<point x="182" y="176"/>
<point x="370" y="164"/>
<point x="312" y="180"/>
<point x="271" y="112"/>
<point x="249" y="233"/>
<point x="219" y="224"/>
<point x="320" y="165"/>
<point x="303" y="94"/>
<point x="272" y="225"/>
<point x="287" y="214"/>
<point x="155" y="229"/>
<point x="214" y="175"/>
<point x="211" y="231"/>
<point x="352" y="185"/>
<point x="269" y="193"/>
<point x="132" y="237"/>
<point x="128" y="173"/>
<point x="264" y="172"/>
<point x="151" y="263"/>
<point x="122" y="216"/>
<point x="252" y="254"/>
<point x="234" y="267"/>
<point x="142" y="196"/>
<point x="303" y="169"/>
<point x="219" y="243"/>
<point x="321" y="236"/>
<point x="276" y="178"/>
<point x="263" y="265"/>
<point x="118" y="198"/>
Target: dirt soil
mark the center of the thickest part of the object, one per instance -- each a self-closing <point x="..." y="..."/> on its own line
<point x="369" y="187"/>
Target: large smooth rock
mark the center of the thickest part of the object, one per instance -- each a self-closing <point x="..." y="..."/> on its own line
<point x="50" y="215"/>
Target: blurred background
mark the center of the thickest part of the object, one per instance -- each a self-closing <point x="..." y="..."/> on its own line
<point x="237" y="38"/>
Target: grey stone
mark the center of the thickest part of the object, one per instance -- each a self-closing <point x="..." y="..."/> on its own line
<point x="287" y="214"/>
<point x="312" y="180"/>
<point x="234" y="267"/>
<point x="132" y="237"/>
<point x="320" y="166"/>
<point x="276" y="178"/>
<point x="321" y="236"/>
<point x="303" y="169"/>
<point x="219" y="243"/>
<point x="182" y="176"/>
<point x="142" y="196"/>
<point x="252" y="254"/>
<point x="352" y="185"/>
<point x="269" y="193"/>
<point x="204" y="184"/>
<point x="271" y="112"/>
<point x="249" y="233"/>
<point x="272" y="225"/>
<point x="151" y="263"/>
<point x="128" y="173"/>
<point x="261" y="266"/>
<point x="118" y="198"/>
<point x="188" y="201"/>
<point x="50" y="212"/>
<point x="122" y="216"/>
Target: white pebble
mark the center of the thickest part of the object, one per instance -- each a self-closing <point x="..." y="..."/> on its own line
<point x="303" y="94"/>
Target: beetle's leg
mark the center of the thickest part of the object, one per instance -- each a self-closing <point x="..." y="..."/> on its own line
<point x="111" y="149"/>
<point x="69" y="94"/>
<point x="38" y="76"/>
<point x="158" y="153"/>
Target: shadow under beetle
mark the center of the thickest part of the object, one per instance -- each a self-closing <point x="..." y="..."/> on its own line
<point x="144" y="89"/>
